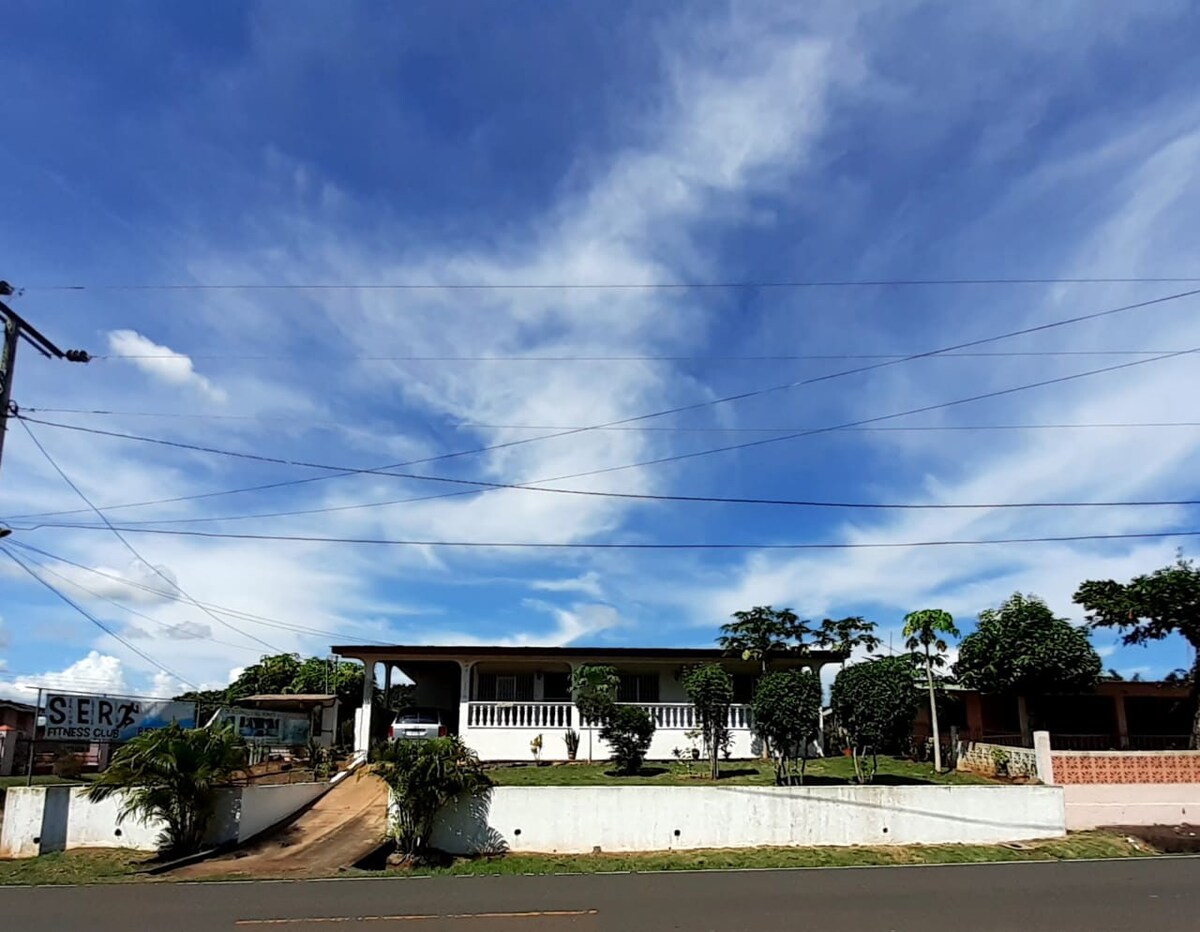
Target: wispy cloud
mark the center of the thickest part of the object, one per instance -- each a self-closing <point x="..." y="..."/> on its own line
<point x="162" y="363"/>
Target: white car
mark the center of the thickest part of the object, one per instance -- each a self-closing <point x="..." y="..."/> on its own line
<point x="417" y="724"/>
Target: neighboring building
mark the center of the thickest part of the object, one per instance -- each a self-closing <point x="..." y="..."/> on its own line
<point x="1116" y="715"/>
<point x="316" y="712"/>
<point x="17" y="721"/>
<point x="499" y="699"/>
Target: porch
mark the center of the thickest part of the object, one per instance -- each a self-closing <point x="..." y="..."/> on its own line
<point x="500" y="700"/>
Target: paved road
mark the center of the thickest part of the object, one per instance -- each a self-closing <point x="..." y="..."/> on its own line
<point x="1113" y="896"/>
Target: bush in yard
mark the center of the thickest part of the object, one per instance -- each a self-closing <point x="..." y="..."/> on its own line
<point x="787" y="716"/>
<point x="875" y="703"/>
<point x="68" y="766"/>
<point x="710" y="688"/>
<point x="628" y="730"/>
<point x="172" y="774"/>
<point x="423" y="777"/>
<point x="594" y="687"/>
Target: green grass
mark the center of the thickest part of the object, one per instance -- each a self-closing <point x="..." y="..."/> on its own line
<point x="1074" y="847"/>
<point x="113" y="866"/>
<point x="81" y="866"/>
<point x="826" y="771"/>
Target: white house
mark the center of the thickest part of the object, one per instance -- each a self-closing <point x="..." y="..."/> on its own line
<point x="499" y="699"/>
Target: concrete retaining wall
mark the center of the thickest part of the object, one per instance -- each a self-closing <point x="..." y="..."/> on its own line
<point x="42" y="819"/>
<point x="1094" y="805"/>
<point x="648" y="818"/>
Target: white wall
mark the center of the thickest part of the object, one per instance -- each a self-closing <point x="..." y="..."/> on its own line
<point x="241" y="812"/>
<point x="1091" y="805"/>
<point x="22" y="821"/>
<point x="647" y="818"/>
<point x="260" y="807"/>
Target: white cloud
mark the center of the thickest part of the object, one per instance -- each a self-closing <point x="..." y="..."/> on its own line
<point x="587" y="583"/>
<point x="162" y="363"/>
<point x="94" y="673"/>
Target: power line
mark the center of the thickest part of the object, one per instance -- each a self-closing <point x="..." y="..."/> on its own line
<point x="132" y="611"/>
<point x="737" y="397"/>
<point x="604" y="286"/>
<point x="477" y="484"/>
<point x="128" y="546"/>
<point x="224" y="610"/>
<point x="804" y="357"/>
<point x="99" y="624"/>
<point x="531" y="545"/>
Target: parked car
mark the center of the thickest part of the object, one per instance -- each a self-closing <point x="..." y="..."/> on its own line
<point x="418" y="723"/>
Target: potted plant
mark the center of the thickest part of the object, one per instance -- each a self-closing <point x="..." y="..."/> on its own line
<point x="536" y="747"/>
<point x="571" y="739"/>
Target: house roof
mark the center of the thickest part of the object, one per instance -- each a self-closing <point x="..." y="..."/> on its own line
<point x="292" y="700"/>
<point x="695" y="654"/>
<point x="19" y="706"/>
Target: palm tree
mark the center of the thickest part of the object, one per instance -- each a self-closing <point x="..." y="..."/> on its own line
<point x="924" y="630"/>
<point x="172" y="775"/>
<point x="424" y="776"/>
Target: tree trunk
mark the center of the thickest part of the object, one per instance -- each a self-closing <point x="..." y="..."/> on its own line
<point x="933" y="721"/>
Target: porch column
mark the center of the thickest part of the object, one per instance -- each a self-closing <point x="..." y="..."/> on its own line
<point x="387" y="685"/>
<point x="362" y="731"/>
<point x="464" y="697"/>
<point x="1023" y="718"/>
<point x="974" y="716"/>
<point x="1122" y="722"/>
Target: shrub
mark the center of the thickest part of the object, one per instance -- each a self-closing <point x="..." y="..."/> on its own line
<point x="594" y="687"/>
<point x="875" y="703"/>
<point x="172" y="774"/>
<point x="787" y="715"/>
<point x="628" y="730"/>
<point x="571" y="739"/>
<point x="423" y="776"/>
<point x="710" y="687"/>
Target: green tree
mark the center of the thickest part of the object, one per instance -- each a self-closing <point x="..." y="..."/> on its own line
<point x="628" y="729"/>
<point x="764" y="632"/>
<point x="1149" y="608"/>
<point x="424" y="776"/>
<point x="926" y="632"/>
<point x="172" y="774"/>
<point x="787" y="716"/>
<point x="845" y="634"/>
<point x="1020" y="649"/>
<point x="272" y="675"/>
<point x="875" y="702"/>
<point x="594" y="687"/>
<point x="710" y="688"/>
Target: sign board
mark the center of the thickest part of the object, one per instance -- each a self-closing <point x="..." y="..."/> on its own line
<point x="104" y="718"/>
<point x="261" y="726"/>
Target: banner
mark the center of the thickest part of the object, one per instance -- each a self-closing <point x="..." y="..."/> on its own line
<point x="104" y="718"/>
<point x="260" y="726"/>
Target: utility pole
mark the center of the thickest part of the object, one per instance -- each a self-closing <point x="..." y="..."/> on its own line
<point x="17" y="328"/>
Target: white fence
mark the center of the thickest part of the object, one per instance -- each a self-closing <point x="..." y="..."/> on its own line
<point x="41" y="819"/>
<point x="650" y="818"/>
<point x="519" y="714"/>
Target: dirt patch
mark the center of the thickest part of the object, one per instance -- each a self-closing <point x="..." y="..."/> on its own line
<point x="1169" y="839"/>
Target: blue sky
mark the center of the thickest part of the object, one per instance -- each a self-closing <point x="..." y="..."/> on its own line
<point x="525" y="143"/>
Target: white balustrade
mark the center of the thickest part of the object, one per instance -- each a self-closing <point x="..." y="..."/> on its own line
<point x="519" y="714"/>
<point x="681" y="716"/>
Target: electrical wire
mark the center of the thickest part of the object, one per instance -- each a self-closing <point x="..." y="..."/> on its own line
<point x="805" y="357"/>
<point x="477" y="484"/>
<point x="128" y="546"/>
<point x="604" y="286"/>
<point x="755" y="393"/>
<point x="95" y="621"/>
<point x="532" y="545"/>
<point x="132" y="611"/>
<point x="221" y="609"/>
<point x="292" y="420"/>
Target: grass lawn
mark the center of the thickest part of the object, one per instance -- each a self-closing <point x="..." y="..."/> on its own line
<point x="1081" y="845"/>
<point x="112" y="866"/>
<point x="98" y="865"/>
<point x="825" y="771"/>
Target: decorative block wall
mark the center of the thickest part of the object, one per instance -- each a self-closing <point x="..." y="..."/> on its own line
<point x="1126" y="767"/>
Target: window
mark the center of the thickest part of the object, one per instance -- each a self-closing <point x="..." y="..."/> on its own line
<point x="556" y="687"/>
<point x="743" y="687"/>
<point x="505" y="687"/>
<point x="638" y="687"/>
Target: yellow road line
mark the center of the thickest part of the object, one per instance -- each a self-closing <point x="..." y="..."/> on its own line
<point x="419" y="917"/>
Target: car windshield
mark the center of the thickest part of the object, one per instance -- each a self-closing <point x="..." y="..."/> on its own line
<point x="418" y="717"/>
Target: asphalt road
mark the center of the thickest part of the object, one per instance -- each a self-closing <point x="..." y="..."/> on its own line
<point x="1160" y="895"/>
